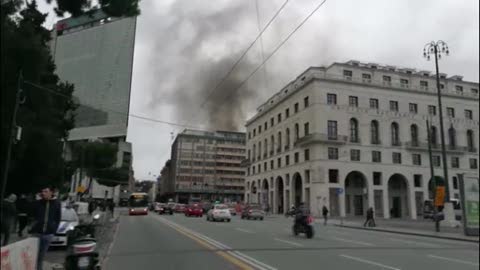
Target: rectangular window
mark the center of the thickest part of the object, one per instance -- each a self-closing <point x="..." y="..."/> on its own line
<point x="417" y="180"/>
<point x="468" y="114"/>
<point x="306" y="128"/>
<point x="265" y="166"/>
<point x="332" y="130"/>
<point x="417" y="159"/>
<point x="279" y="118"/>
<point x="393" y="106"/>
<point x="424" y="85"/>
<point x="259" y="167"/>
<point x="272" y="121"/>
<point x="397" y="158"/>
<point x="354" y="154"/>
<point x="366" y="78"/>
<point x="455" y="182"/>
<point x="353" y="101"/>
<point x="253" y="169"/>
<point x="279" y="162"/>
<point x="333" y="176"/>
<point x="331" y="99"/>
<point x="333" y="153"/>
<point x="432" y="110"/>
<point x="254" y="133"/>
<point x="376" y="156"/>
<point x="271" y="164"/>
<point x="459" y="89"/>
<point x="295" y="107"/>
<point x="473" y="163"/>
<point x="296" y="158"/>
<point x="413" y="107"/>
<point x="451" y="112"/>
<point x="265" y="125"/>
<point x="436" y="161"/>
<point x="287" y="113"/>
<point x="387" y="80"/>
<point x="373" y="103"/>
<point x="377" y="178"/>
<point x="442" y="86"/>
<point x="259" y="129"/>
<point x="474" y="91"/>
<point x="307" y="154"/>
<point x="348" y="74"/>
<point x="455" y="162"/>
<point x="306" y="103"/>
<point x="287" y="160"/>
<point x="404" y="83"/>
<point x="307" y="176"/>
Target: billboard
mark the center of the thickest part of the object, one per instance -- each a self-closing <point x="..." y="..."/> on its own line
<point x="469" y="190"/>
<point x="95" y="53"/>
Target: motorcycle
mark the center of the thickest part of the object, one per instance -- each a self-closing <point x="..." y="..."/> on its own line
<point x="82" y="251"/>
<point x="304" y="226"/>
<point x="290" y="213"/>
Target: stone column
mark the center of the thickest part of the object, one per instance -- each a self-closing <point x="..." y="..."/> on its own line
<point x="386" y="204"/>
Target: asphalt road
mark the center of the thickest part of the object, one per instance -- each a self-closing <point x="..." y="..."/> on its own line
<point x="178" y="242"/>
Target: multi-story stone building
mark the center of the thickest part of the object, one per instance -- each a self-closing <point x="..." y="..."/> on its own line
<point x="353" y="135"/>
<point x="207" y="166"/>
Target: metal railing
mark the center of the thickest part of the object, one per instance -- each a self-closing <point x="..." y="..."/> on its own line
<point x="320" y="138"/>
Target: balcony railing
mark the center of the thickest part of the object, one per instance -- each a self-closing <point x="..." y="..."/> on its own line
<point x="396" y="144"/>
<point x="320" y="138"/>
<point x="355" y="139"/>
<point x="472" y="149"/>
<point x="423" y="146"/>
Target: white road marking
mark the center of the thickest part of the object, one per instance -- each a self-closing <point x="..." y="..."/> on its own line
<point x="453" y="260"/>
<point x="368" y="262"/>
<point x="243" y="230"/>
<point x="352" y="241"/>
<point x="413" y="242"/>
<point x="288" y="242"/>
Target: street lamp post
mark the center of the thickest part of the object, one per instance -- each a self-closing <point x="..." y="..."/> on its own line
<point x="437" y="49"/>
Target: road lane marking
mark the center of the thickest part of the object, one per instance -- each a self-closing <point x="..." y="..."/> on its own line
<point x="352" y="241"/>
<point x="226" y="249"/>
<point x="453" y="260"/>
<point x="413" y="242"/>
<point x="288" y="242"/>
<point x="243" y="230"/>
<point x="368" y="262"/>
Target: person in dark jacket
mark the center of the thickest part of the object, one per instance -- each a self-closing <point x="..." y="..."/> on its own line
<point x="301" y="212"/>
<point x="370" y="218"/>
<point x="47" y="214"/>
<point x="91" y="206"/>
<point x="325" y="215"/>
<point x="9" y="213"/>
<point x="23" y="209"/>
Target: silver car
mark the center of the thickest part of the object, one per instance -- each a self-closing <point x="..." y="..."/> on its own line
<point x="219" y="212"/>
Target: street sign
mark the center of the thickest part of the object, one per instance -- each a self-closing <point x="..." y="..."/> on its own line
<point x="439" y="196"/>
<point x="80" y="189"/>
<point x="339" y="190"/>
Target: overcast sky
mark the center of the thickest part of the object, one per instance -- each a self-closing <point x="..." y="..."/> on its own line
<point x="184" y="48"/>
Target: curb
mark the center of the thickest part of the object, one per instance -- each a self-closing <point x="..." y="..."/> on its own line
<point x="410" y="233"/>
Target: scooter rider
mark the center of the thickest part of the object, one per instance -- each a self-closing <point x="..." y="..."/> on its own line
<point x="301" y="212"/>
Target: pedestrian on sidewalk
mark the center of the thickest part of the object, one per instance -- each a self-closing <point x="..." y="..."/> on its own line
<point x="23" y="210"/>
<point x="9" y="213"/>
<point x="370" y="218"/>
<point x="111" y="207"/>
<point x="47" y="214"/>
<point x="325" y="215"/>
<point x="91" y="206"/>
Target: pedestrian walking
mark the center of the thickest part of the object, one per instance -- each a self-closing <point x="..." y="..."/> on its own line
<point x="47" y="215"/>
<point x="111" y="207"/>
<point x="9" y="213"/>
<point x="325" y="215"/>
<point x="91" y="206"/>
<point x="370" y="221"/>
<point x="23" y="209"/>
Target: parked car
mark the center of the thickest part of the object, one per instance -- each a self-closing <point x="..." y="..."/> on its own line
<point x="164" y="209"/>
<point x="253" y="211"/>
<point x="179" y="208"/>
<point x="68" y="222"/>
<point x="193" y="210"/>
<point x="219" y="212"/>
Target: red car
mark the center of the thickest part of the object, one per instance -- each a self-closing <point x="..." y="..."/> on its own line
<point x="194" y="210"/>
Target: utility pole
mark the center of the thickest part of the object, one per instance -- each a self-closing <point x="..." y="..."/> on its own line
<point x="11" y="135"/>
<point x="438" y="48"/>
<point x="432" y="177"/>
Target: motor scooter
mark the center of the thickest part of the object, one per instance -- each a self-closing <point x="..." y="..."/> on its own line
<point x="305" y="225"/>
<point x="82" y="251"/>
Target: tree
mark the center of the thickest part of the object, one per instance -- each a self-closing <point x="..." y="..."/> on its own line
<point x="46" y="116"/>
<point x="116" y="8"/>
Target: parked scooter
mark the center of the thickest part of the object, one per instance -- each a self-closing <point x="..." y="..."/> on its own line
<point x="304" y="226"/>
<point x="82" y="251"/>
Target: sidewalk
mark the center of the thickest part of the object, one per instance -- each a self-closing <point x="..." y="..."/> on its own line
<point x="409" y="227"/>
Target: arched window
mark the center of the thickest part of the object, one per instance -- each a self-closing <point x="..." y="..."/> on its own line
<point x="374" y="132"/>
<point x="354" y="130"/>
<point x="433" y="135"/>
<point x="279" y="148"/>
<point x="452" y="137"/>
<point x="395" y="134"/>
<point x="414" y="134"/>
<point x="297" y="132"/>
<point x="470" y="141"/>
<point x="287" y="138"/>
